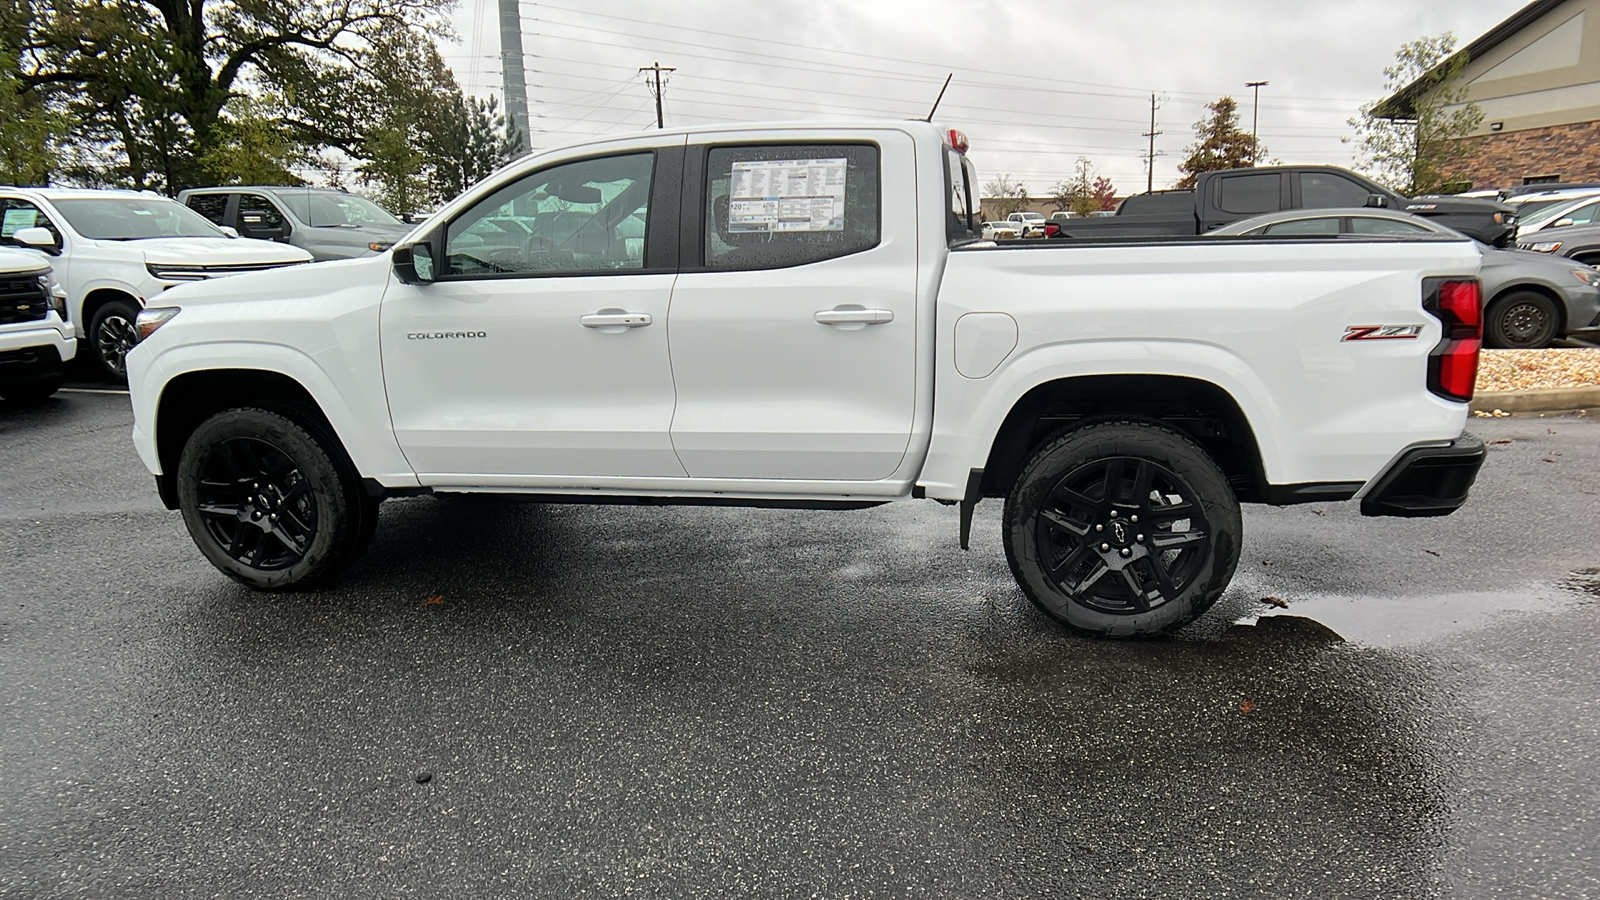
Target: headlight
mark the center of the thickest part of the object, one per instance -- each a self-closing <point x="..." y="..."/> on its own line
<point x="54" y="293"/>
<point x="1587" y="276"/>
<point x="1544" y="246"/>
<point x="154" y="317"/>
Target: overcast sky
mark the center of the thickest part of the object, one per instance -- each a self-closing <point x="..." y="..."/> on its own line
<point x="1037" y="84"/>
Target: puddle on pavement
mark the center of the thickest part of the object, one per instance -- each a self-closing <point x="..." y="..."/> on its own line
<point x="1398" y="621"/>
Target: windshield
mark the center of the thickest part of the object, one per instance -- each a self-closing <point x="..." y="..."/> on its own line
<point x="1535" y="211"/>
<point x="330" y="208"/>
<point x="132" y="218"/>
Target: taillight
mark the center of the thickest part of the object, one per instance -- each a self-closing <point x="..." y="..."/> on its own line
<point x="1050" y="229"/>
<point x="1453" y="364"/>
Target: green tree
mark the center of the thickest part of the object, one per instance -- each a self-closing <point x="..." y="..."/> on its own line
<point x="1219" y="143"/>
<point x="1009" y="195"/>
<point x="1417" y="140"/>
<point x="147" y="81"/>
<point x="251" y="145"/>
<point x="1086" y="193"/>
<point x="468" y="144"/>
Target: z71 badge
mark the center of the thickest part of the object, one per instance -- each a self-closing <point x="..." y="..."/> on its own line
<point x="1382" y="333"/>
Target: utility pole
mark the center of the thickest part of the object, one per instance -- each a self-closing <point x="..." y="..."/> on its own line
<point x="657" y="69"/>
<point x="1150" y="160"/>
<point x="514" y="79"/>
<point x="1255" y="118"/>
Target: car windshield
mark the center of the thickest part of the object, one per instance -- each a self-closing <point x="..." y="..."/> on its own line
<point x="331" y="208"/>
<point x="133" y="218"/>
<point x="1535" y="211"/>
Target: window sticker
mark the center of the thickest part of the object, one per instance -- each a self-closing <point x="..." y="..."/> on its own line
<point x="17" y="218"/>
<point x="787" y="195"/>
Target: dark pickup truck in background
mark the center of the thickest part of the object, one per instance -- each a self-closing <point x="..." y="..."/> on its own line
<point x="1229" y="195"/>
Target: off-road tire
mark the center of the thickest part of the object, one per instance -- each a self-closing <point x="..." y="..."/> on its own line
<point x="243" y="467"/>
<point x="1170" y="527"/>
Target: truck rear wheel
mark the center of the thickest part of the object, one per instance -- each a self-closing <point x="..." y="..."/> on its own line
<point x="1122" y="528"/>
<point x="269" y="502"/>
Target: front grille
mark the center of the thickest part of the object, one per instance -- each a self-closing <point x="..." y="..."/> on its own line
<point x="23" y="300"/>
<point x="195" y="273"/>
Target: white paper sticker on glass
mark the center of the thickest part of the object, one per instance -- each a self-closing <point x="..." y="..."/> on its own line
<point x="787" y="195"/>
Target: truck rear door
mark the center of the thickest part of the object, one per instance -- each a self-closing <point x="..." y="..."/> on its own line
<point x="1231" y="196"/>
<point x="793" y="323"/>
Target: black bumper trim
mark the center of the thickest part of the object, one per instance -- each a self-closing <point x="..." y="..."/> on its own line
<point x="1427" y="481"/>
<point x="1312" y="492"/>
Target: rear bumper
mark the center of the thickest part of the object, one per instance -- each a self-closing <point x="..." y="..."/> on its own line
<point x="1426" y="480"/>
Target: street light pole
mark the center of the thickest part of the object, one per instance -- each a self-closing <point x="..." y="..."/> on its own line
<point x="1255" y="119"/>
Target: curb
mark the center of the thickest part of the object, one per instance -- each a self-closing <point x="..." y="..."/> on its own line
<point x="1558" y="400"/>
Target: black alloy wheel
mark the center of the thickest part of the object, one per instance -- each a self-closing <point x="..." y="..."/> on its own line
<point x="271" y="499"/>
<point x="256" y="504"/>
<point x="1522" y="320"/>
<point x="112" y="333"/>
<point x="1122" y="528"/>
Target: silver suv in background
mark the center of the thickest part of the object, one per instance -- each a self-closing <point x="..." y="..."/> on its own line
<point x="328" y="224"/>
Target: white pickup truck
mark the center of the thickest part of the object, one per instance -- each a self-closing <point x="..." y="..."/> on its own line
<point x="804" y="316"/>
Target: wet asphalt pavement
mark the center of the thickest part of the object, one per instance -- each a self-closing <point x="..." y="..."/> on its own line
<point x="508" y="700"/>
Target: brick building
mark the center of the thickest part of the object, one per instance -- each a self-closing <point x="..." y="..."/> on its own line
<point x="1536" y="76"/>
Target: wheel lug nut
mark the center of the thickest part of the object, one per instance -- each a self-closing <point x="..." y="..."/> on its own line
<point x="1138" y="537"/>
<point x="256" y="514"/>
<point x="1105" y="546"/>
<point x="1099" y="528"/>
<point x="1126" y="552"/>
<point x="1113" y="514"/>
<point x="273" y="517"/>
<point x="1133" y="519"/>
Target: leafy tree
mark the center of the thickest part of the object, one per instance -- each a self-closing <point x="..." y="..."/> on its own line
<point x="29" y="129"/>
<point x="1009" y="195"/>
<point x="471" y="142"/>
<point x="1219" y="143"/>
<point x="1416" y="140"/>
<point x="148" y="81"/>
<point x="1086" y="193"/>
<point x="250" y="145"/>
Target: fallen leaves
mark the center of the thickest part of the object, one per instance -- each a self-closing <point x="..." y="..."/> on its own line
<point x="435" y="600"/>
<point x="1247" y="707"/>
<point x="1431" y="552"/>
<point x="1279" y="602"/>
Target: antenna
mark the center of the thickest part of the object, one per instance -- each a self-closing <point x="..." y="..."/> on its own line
<point x="940" y="97"/>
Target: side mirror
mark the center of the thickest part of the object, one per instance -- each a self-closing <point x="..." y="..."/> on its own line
<point x="1560" y="223"/>
<point x="413" y="263"/>
<point x="229" y="230"/>
<point x="37" y="238"/>
<point x="1377" y="201"/>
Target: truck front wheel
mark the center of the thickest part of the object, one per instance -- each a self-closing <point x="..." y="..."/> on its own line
<point x="1122" y="528"/>
<point x="269" y="502"/>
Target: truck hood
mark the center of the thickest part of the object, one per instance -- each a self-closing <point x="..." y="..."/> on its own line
<point x="361" y="233"/>
<point x="208" y="251"/>
<point x="287" y="283"/>
<point x="22" y="262"/>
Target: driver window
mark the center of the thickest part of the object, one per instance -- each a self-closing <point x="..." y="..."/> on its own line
<point x="22" y="214"/>
<point x="586" y="216"/>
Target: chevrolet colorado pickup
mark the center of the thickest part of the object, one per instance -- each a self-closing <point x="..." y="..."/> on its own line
<point x="805" y="316"/>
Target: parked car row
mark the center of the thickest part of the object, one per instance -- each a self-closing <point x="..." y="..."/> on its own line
<point x="109" y="252"/>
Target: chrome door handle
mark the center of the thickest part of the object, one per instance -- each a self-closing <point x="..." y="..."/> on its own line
<point x="854" y="315"/>
<point x="609" y="319"/>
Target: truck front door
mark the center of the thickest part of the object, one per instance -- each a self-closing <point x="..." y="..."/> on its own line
<point x="541" y="349"/>
<point x="793" y="324"/>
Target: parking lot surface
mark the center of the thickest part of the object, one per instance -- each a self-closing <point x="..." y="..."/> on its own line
<point x="519" y="700"/>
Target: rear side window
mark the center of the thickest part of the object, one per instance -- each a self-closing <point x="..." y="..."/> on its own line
<point x="1250" y="193"/>
<point x="779" y="205"/>
<point x="1369" y="225"/>
<point x="1304" y="226"/>
<point x="1322" y="190"/>
<point x="212" y="206"/>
